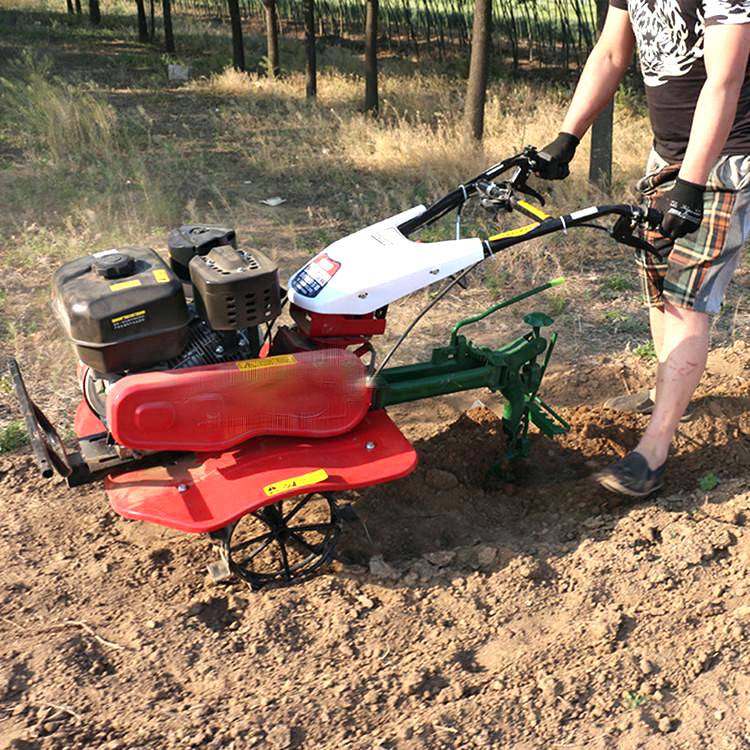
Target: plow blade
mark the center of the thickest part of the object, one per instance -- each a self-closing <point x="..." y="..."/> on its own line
<point x="308" y="394"/>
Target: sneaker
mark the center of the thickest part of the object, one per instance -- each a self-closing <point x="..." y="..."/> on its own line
<point x="638" y="403"/>
<point x="631" y="476"/>
<point x="642" y="403"/>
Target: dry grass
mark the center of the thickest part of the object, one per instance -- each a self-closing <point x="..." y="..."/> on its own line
<point x="96" y="164"/>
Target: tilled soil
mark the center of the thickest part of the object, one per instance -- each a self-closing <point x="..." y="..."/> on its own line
<point x="459" y="614"/>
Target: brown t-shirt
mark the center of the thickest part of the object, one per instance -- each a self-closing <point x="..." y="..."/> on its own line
<point x="669" y="35"/>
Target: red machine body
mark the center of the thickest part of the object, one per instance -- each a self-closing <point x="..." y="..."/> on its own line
<point x="312" y="394"/>
<point x="251" y="433"/>
<point x="203" y="492"/>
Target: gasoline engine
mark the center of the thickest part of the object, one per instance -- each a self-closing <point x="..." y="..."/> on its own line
<point x="127" y="311"/>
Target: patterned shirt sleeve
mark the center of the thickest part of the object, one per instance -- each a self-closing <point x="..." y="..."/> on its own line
<point x="726" y="12"/>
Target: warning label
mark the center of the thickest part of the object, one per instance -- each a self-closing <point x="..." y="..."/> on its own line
<point x="315" y="275"/>
<point x="304" y="480"/>
<point x="258" y="364"/>
<point x="124" y="285"/>
<point x="130" y="319"/>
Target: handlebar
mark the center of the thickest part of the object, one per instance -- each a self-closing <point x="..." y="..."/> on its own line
<point x="503" y="195"/>
<point x="630" y="218"/>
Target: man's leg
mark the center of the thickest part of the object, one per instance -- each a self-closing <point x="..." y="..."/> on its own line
<point x="682" y="356"/>
<point x="656" y="323"/>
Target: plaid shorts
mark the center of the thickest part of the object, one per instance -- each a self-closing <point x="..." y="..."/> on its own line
<point x="694" y="271"/>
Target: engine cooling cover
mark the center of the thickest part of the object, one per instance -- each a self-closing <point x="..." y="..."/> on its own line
<point x="307" y="394"/>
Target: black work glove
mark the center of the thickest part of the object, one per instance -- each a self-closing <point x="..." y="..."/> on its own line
<point x="683" y="209"/>
<point x="554" y="158"/>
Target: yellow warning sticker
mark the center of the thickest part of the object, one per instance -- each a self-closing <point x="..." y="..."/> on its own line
<point x="129" y="319"/>
<point x="519" y="232"/>
<point x="161" y="276"/>
<point x="304" y="480"/>
<point x="124" y="285"/>
<point x="257" y="364"/>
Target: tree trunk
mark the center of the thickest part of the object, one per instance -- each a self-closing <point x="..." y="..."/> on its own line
<point x="152" y="25"/>
<point x="142" y="25"/>
<point x="166" y="6"/>
<point x="272" y="38"/>
<point x="311" y="87"/>
<point x="78" y="7"/>
<point x="71" y="10"/>
<point x="95" y="15"/>
<point x="476" y="93"/>
<point x="371" y="57"/>
<point x="600" y="163"/>
<point x="238" y="47"/>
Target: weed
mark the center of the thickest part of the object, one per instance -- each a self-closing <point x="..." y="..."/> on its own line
<point x="53" y="120"/>
<point x="559" y="304"/>
<point x="645" y="350"/>
<point x="495" y="280"/>
<point x="12" y="436"/>
<point x="633" y="700"/>
<point x="617" y="283"/>
<point x="709" y="482"/>
<point x="616" y="316"/>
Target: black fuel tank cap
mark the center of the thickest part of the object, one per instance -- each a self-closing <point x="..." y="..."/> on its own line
<point x="114" y="265"/>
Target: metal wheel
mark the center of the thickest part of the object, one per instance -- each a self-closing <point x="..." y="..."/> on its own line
<point x="283" y="542"/>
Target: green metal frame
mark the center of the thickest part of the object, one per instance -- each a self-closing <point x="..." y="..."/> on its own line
<point x="513" y="370"/>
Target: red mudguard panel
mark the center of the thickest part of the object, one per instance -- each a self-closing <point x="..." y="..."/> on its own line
<point x="86" y="422"/>
<point x="308" y="394"/>
<point x="205" y="492"/>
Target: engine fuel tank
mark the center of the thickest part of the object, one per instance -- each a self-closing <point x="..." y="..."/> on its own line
<point x="123" y="309"/>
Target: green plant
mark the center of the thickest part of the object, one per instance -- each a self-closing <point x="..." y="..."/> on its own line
<point x="617" y="283"/>
<point x="709" y="482"/>
<point x="495" y="280"/>
<point x="559" y="305"/>
<point x="633" y="700"/>
<point x="645" y="350"/>
<point x="12" y="436"/>
<point x="616" y="316"/>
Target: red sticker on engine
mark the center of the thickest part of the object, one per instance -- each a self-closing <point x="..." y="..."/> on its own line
<point x="315" y="275"/>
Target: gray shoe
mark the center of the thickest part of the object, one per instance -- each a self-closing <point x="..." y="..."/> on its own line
<point x="637" y="403"/>
<point x="642" y="403"/>
<point x="631" y="476"/>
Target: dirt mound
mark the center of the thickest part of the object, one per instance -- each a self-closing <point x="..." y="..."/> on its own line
<point x="459" y="615"/>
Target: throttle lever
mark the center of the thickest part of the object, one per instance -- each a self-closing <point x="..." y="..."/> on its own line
<point x="622" y="232"/>
<point x="524" y="188"/>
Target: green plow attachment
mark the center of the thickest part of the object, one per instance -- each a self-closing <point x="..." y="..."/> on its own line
<point x="514" y="370"/>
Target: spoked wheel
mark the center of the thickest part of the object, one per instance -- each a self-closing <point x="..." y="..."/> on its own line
<point x="286" y="541"/>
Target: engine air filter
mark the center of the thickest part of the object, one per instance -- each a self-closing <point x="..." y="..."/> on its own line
<point x="236" y="288"/>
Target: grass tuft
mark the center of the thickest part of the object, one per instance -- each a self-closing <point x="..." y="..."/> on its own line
<point x="645" y="351"/>
<point x="13" y="436"/>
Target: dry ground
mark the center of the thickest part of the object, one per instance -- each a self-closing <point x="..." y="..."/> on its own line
<point x="537" y="616"/>
<point x="533" y="617"/>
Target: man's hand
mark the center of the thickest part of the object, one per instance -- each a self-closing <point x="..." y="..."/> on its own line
<point x="683" y="209"/>
<point x="554" y="158"/>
